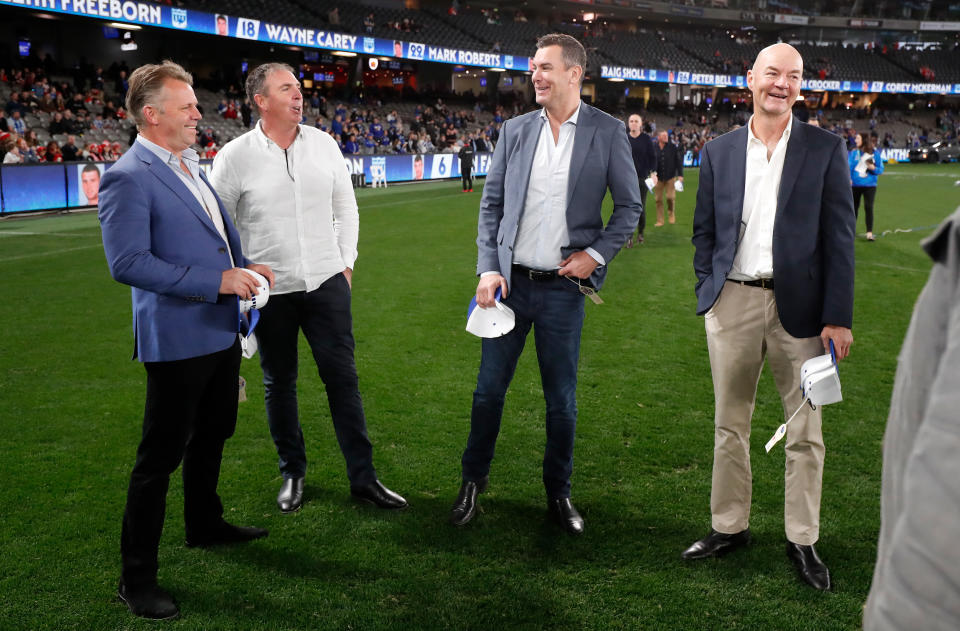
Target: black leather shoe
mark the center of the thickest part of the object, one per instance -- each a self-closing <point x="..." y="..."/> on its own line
<point x="148" y="601"/>
<point x="716" y="544"/>
<point x="566" y="515"/>
<point x="290" y="498"/>
<point x="812" y="569"/>
<point x="378" y="495"/>
<point x="465" y="507"/>
<point x="225" y="534"/>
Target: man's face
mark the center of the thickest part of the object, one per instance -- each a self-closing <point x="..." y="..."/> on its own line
<point x="663" y="137"/>
<point x="554" y="84"/>
<point x="175" y="116"/>
<point x="221" y="25"/>
<point x="634" y="124"/>
<point x="418" y="169"/>
<point x="90" y="181"/>
<point x="280" y="102"/>
<point x="775" y="80"/>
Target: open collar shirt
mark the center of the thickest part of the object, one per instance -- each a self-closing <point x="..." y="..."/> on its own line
<point x="754" y="258"/>
<point x="542" y="232"/>
<point x="295" y="208"/>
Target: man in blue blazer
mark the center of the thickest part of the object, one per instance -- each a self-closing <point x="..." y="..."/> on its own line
<point x="166" y="234"/>
<point x="773" y="231"/>
<point x="543" y="244"/>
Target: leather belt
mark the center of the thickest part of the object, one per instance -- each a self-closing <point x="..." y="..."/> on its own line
<point x="536" y="275"/>
<point x="763" y="283"/>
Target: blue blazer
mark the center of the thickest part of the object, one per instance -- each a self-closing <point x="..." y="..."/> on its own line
<point x="601" y="159"/>
<point x="159" y="240"/>
<point x="813" y="232"/>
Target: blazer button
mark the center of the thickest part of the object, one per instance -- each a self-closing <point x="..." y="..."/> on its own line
<point x="222" y="250"/>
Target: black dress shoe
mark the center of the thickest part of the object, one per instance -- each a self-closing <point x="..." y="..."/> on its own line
<point x="566" y="515"/>
<point x="290" y="498"/>
<point x="225" y="534"/>
<point x="716" y="544"/>
<point x="812" y="569"/>
<point x="465" y="507"/>
<point x="148" y="601"/>
<point x="378" y="495"/>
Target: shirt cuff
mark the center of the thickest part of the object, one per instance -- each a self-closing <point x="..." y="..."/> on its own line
<point x="596" y="256"/>
<point x="490" y="273"/>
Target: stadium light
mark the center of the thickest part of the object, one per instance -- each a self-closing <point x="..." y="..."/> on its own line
<point x="125" y="26"/>
<point x="615" y="80"/>
<point x="496" y="69"/>
<point x="343" y="53"/>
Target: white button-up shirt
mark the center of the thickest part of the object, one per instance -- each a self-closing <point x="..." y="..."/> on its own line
<point x="295" y="209"/>
<point x="201" y="192"/>
<point x="543" y="225"/>
<point x="754" y="257"/>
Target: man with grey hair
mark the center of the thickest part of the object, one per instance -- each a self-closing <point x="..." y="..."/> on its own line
<point x="542" y="248"/>
<point x="166" y="234"/>
<point x="288" y="190"/>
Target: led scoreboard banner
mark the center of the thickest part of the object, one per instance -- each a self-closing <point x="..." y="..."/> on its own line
<point x="163" y="16"/>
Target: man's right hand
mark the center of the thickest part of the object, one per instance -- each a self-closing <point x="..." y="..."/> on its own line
<point x="487" y="290"/>
<point x="236" y="281"/>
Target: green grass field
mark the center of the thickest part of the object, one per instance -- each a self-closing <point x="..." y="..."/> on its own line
<point x="72" y="405"/>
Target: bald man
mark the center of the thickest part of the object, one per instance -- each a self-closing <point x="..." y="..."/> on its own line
<point x="773" y="231"/>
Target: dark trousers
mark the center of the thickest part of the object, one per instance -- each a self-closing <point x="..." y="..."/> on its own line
<point x="555" y="311"/>
<point x="869" y="193"/>
<point x="324" y="316"/>
<point x="191" y="411"/>
<point x="467" y="178"/>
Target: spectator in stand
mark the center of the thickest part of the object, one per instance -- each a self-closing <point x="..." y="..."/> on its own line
<point x="31" y="138"/>
<point x="11" y="153"/>
<point x="4" y="124"/>
<point x="866" y="163"/>
<point x="17" y="124"/>
<point x="53" y="153"/>
<point x="369" y="23"/>
<point x="14" y="104"/>
<point x="333" y="16"/>
<point x="246" y="113"/>
<point x="222" y="107"/>
<point x="231" y="113"/>
<point x="669" y="172"/>
<point x="350" y="147"/>
<point x="69" y="149"/>
<point x="57" y="125"/>
<point x="376" y="128"/>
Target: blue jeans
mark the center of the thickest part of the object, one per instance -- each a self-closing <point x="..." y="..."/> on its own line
<point x="324" y="316"/>
<point x="555" y="310"/>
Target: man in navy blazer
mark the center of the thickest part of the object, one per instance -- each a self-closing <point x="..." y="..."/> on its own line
<point x="774" y="232"/>
<point x="166" y="234"/>
<point x="543" y="244"/>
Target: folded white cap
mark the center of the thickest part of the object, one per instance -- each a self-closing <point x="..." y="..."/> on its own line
<point x="259" y="300"/>
<point x="649" y="183"/>
<point x="678" y="186"/>
<point x="491" y="321"/>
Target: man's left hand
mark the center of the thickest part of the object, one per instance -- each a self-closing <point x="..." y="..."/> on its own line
<point x="842" y="339"/>
<point x="579" y="264"/>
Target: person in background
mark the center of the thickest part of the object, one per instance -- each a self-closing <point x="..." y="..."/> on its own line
<point x="669" y="172"/>
<point x="866" y="164"/>
<point x="645" y="161"/>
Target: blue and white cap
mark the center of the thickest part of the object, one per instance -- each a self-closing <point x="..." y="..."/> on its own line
<point x="492" y="321"/>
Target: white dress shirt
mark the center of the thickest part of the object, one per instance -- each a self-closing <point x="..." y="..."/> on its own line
<point x="294" y="208"/>
<point x="754" y="257"/>
<point x="201" y="192"/>
<point x="543" y="225"/>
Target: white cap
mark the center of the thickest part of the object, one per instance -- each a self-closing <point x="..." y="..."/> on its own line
<point x="489" y="322"/>
<point x="258" y="300"/>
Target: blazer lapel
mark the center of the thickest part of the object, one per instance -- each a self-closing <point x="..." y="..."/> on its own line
<point x="582" y="138"/>
<point x="792" y="162"/>
<point x="738" y="171"/>
<point x="165" y="175"/>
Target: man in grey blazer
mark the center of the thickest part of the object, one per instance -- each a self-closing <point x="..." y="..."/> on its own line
<point x="773" y="231"/>
<point x="543" y="244"/>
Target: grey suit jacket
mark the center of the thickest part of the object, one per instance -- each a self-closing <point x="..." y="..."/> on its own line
<point x="601" y="159"/>
<point x="813" y="232"/>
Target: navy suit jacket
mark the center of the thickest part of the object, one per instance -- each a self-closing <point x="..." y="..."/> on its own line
<point x="601" y="159"/>
<point x="159" y="240"/>
<point x="813" y="232"/>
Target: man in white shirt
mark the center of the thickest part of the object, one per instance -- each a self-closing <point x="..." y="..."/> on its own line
<point x="542" y="243"/>
<point x="289" y="193"/>
<point x="773" y="231"/>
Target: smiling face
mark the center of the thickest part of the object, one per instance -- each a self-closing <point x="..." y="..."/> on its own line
<point x="556" y="86"/>
<point x="90" y="180"/>
<point x="775" y="80"/>
<point x="172" y="120"/>
<point x="280" y="103"/>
